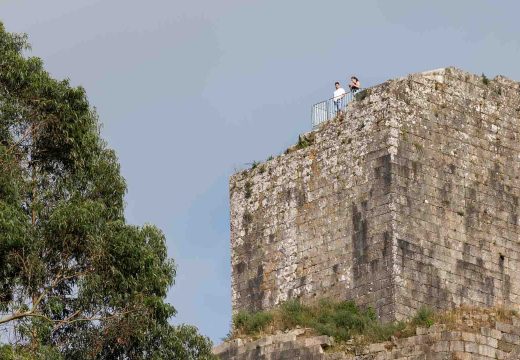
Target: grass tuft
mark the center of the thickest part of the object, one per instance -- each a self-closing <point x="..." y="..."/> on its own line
<point x="425" y="317"/>
<point x="251" y="323"/>
<point x="304" y="141"/>
<point x="485" y="79"/>
<point x="361" y="95"/>
<point x="341" y="320"/>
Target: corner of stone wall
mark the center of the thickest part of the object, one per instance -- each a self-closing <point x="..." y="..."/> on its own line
<point x="316" y="222"/>
<point x="456" y="203"/>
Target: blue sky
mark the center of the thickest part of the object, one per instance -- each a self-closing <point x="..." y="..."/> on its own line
<point x="190" y="91"/>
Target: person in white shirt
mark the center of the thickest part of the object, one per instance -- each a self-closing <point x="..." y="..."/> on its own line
<point x="339" y="94"/>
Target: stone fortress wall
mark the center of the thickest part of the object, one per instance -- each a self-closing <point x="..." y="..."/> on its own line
<point x="455" y="180"/>
<point x="478" y="337"/>
<point x="411" y="200"/>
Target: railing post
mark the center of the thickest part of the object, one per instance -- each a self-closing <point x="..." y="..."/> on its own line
<point x="327" y="113"/>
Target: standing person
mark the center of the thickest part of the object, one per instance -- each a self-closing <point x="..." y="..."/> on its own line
<point x="339" y="94"/>
<point x="354" y="85"/>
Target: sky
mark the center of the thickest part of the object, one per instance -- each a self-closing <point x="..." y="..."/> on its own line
<point x="189" y="92"/>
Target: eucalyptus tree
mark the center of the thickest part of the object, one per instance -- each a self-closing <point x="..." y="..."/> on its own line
<point x="76" y="281"/>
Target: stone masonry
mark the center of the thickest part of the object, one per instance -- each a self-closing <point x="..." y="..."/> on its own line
<point x="410" y="199"/>
<point x="466" y="340"/>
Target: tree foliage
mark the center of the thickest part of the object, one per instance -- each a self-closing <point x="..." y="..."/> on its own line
<point x="76" y="281"/>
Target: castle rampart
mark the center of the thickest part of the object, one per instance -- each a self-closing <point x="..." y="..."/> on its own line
<point x="410" y="200"/>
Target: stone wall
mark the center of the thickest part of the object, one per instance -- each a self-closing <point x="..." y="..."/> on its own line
<point x="315" y="222"/>
<point x="474" y="338"/>
<point x="456" y="189"/>
<point x="295" y="344"/>
<point x="410" y="199"/>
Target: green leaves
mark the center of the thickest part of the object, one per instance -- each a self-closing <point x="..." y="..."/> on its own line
<point x="76" y="281"/>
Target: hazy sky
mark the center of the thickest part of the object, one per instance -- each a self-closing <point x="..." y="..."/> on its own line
<point x="189" y="91"/>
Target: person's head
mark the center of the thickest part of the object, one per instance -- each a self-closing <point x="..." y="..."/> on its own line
<point x="337" y="84"/>
<point x="353" y="78"/>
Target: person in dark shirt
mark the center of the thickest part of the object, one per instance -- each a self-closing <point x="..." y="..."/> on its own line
<point x="354" y="85"/>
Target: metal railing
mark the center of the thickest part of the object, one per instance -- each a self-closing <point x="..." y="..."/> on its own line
<point x="329" y="108"/>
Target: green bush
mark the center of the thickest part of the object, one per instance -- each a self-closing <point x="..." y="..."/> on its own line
<point x="341" y="320"/>
<point x="251" y="323"/>
<point x="293" y="313"/>
<point x="424" y="317"/>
